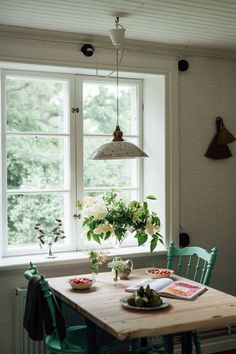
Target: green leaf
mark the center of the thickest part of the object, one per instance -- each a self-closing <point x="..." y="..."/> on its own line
<point x="151" y="196"/>
<point x="89" y="235"/>
<point x="153" y="244"/>
<point x="161" y="241"/>
<point x="142" y="238"/>
<point x="133" y="204"/>
<point x="108" y="234"/>
<point x="119" y="234"/>
<point x="85" y="222"/>
<point x="96" y="238"/>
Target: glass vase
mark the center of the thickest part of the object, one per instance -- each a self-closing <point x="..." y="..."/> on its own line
<point x="50" y="254"/>
<point x="94" y="270"/>
<point x="116" y="276"/>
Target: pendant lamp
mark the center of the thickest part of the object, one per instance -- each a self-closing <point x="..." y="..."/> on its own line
<point x="118" y="148"/>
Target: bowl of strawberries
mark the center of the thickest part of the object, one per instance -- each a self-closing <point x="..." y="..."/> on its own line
<point x="156" y="273"/>
<point x="80" y="283"/>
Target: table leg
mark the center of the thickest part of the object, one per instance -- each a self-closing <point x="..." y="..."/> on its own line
<point x="169" y="344"/>
<point x="91" y="337"/>
<point x="186" y="342"/>
<point x="143" y="344"/>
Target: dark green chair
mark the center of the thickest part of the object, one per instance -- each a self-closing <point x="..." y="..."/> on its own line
<point x="75" y="341"/>
<point x="193" y="263"/>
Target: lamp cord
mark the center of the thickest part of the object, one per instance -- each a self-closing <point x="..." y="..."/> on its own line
<point x="117" y="87"/>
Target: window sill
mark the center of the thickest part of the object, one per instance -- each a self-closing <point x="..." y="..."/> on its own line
<point x="78" y="257"/>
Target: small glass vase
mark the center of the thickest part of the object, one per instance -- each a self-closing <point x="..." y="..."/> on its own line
<point x="94" y="270"/>
<point x="116" y="276"/>
<point x="50" y="254"/>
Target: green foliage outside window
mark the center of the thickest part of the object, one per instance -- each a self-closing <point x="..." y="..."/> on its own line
<point x="37" y="162"/>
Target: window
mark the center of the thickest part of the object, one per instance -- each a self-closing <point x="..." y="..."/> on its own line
<point x="46" y="148"/>
<point x="99" y="117"/>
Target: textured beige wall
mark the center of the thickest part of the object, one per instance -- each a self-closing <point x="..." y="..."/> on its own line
<point x="208" y="187"/>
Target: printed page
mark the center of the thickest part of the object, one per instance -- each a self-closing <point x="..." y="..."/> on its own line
<point x="183" y="290"/>
<point x="155" y="284"/>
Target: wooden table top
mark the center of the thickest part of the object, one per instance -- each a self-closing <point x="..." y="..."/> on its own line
<point x="101" y="305"/>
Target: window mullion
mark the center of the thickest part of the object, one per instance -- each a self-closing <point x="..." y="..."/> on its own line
<point x="3" y="216"/>
<point x="79" y="152"/>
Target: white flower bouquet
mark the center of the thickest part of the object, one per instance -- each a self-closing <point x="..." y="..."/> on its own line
<point x="111" y="216"/>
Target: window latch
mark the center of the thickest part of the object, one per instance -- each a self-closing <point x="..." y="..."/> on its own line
<point x="75" y="110"/>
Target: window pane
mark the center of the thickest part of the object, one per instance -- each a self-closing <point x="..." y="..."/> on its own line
<point x="99" y="108"/>
<point x="24" y="211"/>
<point x="110" y="173"/>
<point x="34" y="104"/>
<point x="36" y="162"/>
<point x="123" y="194"/>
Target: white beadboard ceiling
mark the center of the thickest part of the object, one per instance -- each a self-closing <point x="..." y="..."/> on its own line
<point x="201" y="23"/>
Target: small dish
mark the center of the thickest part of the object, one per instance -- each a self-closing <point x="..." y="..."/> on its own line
<point x="157" y="273"/>
<point x="80" y="283"/>
<point x="124" y="303"/>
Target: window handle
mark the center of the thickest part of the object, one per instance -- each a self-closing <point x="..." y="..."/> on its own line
<point x="75" y="110"/>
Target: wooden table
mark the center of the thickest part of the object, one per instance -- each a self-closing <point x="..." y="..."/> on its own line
<point x="100" y="306"/>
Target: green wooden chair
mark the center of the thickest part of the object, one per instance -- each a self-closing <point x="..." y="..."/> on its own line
<point x="193" y="263"/>
<point x="75" y="341"/>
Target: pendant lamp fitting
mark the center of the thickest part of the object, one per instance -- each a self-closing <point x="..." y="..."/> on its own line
<point x="118" y="148"/>
<point x="117" y="34"/>
<point x="117" y="134"/>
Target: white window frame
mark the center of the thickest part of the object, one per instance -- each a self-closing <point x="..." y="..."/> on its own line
<point x="70" y="226"/>
<point x="130" y="241"/>
<point x="138" y="84"/>
<point x="170" y="74"/>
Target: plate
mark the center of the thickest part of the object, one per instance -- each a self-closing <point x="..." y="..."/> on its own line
<point x="124" y="303"/>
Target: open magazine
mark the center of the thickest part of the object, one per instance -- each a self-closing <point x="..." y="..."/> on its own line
<point x="169" y="288"/>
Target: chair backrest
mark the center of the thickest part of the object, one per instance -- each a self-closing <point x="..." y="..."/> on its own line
<point x="192" y="262"/>
<point x="45" y="290"/>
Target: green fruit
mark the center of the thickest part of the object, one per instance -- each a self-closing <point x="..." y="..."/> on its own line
<point x="139" y="301"/>
<point x="131" y="301"/>
<point x="147" y="288"/>
<point x="151" y="293"/>
<point x="155" y="301"/>
<point x="145" y="301"/>
<point x="140" y="291"/>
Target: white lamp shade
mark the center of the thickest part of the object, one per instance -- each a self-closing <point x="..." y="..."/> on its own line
<point x="117" y="35"/>
<point x="116" y="150"/>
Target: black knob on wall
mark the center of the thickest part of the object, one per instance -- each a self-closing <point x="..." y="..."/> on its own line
<point x="183" y="65"/>
<point x="87" y="50"/>
<point x="184" y="239"/>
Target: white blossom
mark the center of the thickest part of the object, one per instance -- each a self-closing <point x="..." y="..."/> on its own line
<point x="99" y="212"/>
<point x="150" y="229"/>
<point x="103" y="228"/>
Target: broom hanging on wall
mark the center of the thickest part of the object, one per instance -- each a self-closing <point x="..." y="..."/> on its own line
<point x="218" y="148"/>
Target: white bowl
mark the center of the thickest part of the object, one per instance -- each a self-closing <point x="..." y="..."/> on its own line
<point x="157" y="273"/>
<point x="80" y="283"/>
